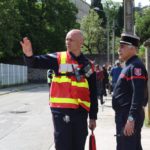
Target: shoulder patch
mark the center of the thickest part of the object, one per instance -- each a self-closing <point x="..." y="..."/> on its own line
<point x="137" y="71"/>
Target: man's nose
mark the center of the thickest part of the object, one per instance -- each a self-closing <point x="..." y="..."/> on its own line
<point x="68" y="41"/>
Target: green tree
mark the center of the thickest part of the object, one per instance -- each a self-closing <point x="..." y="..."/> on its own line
<point x="94" y="33"/>
<point x="113" y="13"/>
<point x="119" y="21"/>
<point x="46" y="23"/>
<point x="141" y="52"/>
<point x="9" y="27"/>
<point x="142" y="24"/>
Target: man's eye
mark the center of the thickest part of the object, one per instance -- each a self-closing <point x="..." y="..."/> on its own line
<point x="70" y="40"/>
<point x="122" y="46"/>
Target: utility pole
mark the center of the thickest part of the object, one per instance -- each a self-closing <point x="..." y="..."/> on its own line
<point x="113" y="42"/>
<point x="108" y="45"/>
<point x="129" y="16"/>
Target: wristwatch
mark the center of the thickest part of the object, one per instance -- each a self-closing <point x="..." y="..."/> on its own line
<point x="130" y="118"/>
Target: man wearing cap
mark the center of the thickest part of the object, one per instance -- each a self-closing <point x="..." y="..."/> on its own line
<point x="130" y="95"/>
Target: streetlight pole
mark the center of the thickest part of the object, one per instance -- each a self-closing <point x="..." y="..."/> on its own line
<point x="107" y="29"/>
<point x="113" y="42"/>
<point x="108" y="45"/>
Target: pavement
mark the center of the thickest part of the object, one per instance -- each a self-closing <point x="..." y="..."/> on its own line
<point x="105" y="130"/>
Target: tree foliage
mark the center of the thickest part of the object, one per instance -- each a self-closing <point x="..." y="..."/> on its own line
<point x="119" y="21"/>
<point x="142" y="24"/>
<point x="94" y="33"/>
<point x="45" y="22"/>
<point x="114" y="12"/>
<point x="9" y="26"/>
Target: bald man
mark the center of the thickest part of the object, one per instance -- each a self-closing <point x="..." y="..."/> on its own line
<point x="73" y="90"/>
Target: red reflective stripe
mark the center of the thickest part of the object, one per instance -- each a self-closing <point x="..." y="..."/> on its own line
<point x="132" y="77"/>
<point x="62" y="105"/>
<point x="138" y="77"/>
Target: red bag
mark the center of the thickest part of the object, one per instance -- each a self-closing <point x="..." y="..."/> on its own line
<point x="92" y="142"/>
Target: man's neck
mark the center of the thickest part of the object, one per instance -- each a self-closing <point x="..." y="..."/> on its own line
<point x="76" y="53"/>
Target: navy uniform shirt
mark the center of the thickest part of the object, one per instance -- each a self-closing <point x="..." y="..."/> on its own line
<point x="131" y="89"/>
<point x="49" y="61"/>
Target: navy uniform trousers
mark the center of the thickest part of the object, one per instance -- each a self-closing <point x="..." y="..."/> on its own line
<point x="70" y="129"/>
<point x="129" y="142"/>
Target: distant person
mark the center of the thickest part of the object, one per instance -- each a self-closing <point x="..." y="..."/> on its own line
<point x="49" y="76"/>
<point x="109" y="78"/>
<point x="130" y="95"/>
<point x="106" y="79"/>
<point x="73" y="90"/>
<point x="99" y="83"/>
<point x="115" y="72"/>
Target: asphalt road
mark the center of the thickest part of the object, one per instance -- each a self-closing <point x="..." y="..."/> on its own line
<point x="26" y="123"/>
<point x="25" y="120"/>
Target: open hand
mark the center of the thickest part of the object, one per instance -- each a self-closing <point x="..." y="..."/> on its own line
<point x="26" y="47"/>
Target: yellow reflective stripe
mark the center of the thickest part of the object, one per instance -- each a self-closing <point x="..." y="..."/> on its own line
<point x="64" y="100"/>
<point x="80" y="84"/>
<point x="84" y="102"/>
<point x="69" y="100"/>
<point x="61" y="79"/>
<point x="63" y="56"/>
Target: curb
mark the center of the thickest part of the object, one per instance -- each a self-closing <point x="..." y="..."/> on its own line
<point x="4" y="91"/>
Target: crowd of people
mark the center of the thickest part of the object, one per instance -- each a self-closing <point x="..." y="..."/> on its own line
<point x="106" y="78"/>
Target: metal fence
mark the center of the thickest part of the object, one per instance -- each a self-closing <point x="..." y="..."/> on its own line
<point x="12" y="74"/>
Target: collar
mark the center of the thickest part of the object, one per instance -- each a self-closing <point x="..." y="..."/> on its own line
<point x="131" y="59"/>
<point x="76" y="57"/>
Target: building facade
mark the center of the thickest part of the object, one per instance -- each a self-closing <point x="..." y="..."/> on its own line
<point x="83" y="8"/>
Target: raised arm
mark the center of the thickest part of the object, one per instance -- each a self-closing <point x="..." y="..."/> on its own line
<point x="26" y="47"/>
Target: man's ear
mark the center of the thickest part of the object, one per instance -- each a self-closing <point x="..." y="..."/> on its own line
<point x="82" y="41"/>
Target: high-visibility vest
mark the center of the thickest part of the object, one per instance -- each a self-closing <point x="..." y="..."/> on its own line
<point x="66" y="91"/>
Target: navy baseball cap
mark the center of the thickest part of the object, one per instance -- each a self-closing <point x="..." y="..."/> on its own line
<point x="129" y="39"/>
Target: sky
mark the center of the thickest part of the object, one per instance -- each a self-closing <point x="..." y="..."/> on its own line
<point x="143" y="2"/>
